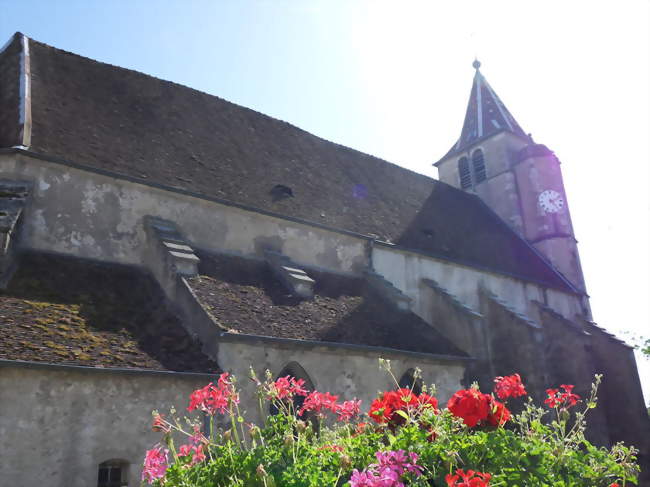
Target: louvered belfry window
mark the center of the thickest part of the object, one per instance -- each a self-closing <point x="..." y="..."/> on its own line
<point x="479" y="166"/>
<point x="464" y="173"/>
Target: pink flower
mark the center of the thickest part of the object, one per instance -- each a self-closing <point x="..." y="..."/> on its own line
<point x="155" y="464"/>
<point x="185" y="450"/>
<point x="388" y="472"/>
<point x="211" y="398"/>
<point x="198" y="455"/>
<point x="286" y="387"/>
<point x="198" y="437"/>
<point x="195" y="451"/>
<point x="159" y="424"/>
<point x="362" y="479"/>
<point x="317" y="401"/>
<point x="347" y="410"/>
<point x="399" y="461"/>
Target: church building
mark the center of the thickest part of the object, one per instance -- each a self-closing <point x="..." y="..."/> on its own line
<point x="153" y="236"/>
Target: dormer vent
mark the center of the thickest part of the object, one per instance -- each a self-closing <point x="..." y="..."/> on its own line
<point x="280" y="192"/>
<point x="294" y="278"/>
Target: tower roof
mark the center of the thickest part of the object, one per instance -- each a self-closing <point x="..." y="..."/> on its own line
<point x="486" y="115"/>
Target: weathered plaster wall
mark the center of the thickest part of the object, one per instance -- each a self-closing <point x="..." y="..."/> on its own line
<point x="464" y="327"/>
<point x="620" y="396"/>
<point x="563" y="340"/>
<point x="57" y="424"/>
<point x="407" y="269"/>
<point x="100" y="217"/>
<point x="348" y="372"/>
<point x="516" y="346"/>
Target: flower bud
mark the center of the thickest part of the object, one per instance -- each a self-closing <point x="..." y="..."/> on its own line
<point x="346" y="463"/>
<point x="288" y="440"/>
<point x="301" y="426"/>
<point x="254" y="431"/>
<point x="261" y="473"/>
<point x="227" y="435"/>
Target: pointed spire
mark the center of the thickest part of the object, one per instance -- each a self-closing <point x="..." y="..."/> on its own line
<point x="486" y="114"/>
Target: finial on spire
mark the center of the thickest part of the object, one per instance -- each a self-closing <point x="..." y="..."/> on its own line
<point x="476" y="64"/>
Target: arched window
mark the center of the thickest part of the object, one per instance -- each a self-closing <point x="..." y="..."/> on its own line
<point x="294" y="369"/>
<point x="479" y="166"/>
<point x="464" y="174"/>
<point x="410" y="381"/>
<point x="113" y="473"/>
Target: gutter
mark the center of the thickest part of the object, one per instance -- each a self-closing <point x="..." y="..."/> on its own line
<point x="25" y="101"/>
<point x="226" y="337"/>
<point x="25" y="364"/>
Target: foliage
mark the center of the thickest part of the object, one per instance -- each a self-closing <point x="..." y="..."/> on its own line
<point x="645" y="347"/>
<point x="404" y="440"/>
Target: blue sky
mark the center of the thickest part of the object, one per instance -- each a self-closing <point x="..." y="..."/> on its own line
<point x="392" y="79"/>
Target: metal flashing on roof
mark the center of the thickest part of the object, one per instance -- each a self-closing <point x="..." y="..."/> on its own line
<point x="293" y="342"/>
<point x="97" y="369"/>
<point x="25" y="102"/>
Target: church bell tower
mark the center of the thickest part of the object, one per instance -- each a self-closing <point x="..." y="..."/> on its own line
<point x="518" y="179"/>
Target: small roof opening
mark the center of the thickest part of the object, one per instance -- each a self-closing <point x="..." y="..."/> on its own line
<point x="280" y="192"/>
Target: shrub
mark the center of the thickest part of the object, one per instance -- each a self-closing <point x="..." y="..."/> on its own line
<point x="405" y="439"/>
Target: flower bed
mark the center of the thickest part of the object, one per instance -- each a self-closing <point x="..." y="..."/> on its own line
<point x="405" y="439"/>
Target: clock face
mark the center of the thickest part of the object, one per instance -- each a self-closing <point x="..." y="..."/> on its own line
<point x="550" y="201"/>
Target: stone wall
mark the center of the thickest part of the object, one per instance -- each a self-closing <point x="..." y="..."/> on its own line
<point x="407" y="269"/>
<point x="348" y="371"/>
<point x="620" y="394"/>
<point x="58" y="423"/>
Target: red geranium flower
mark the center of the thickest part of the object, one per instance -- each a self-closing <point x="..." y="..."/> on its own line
<point x="380" y="411"/>
<point x="509" y="386"/>
<point x="564" y="399"/>
<point x="401" y="398"/>
<point x="468" y="479"/>
<point x="471" y="405"/>
<point x="384" y="410"/>
<point x="499" y="413"/>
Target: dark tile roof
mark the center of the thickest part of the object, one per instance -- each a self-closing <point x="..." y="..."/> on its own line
<point x="245" y="297"/>
<point x="9" y="93"/>
<point x="71" y="311"/>
<point x="128" y="123"/>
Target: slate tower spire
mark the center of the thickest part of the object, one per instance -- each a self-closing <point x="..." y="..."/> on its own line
<point x="519" y="179"/>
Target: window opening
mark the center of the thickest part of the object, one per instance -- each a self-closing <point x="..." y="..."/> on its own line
<point x="479" y="166"/>
<point x="409" y="381"/>
<point x="294" y="369"/>
<point x="113" y="473"/>
<point x="464" y="174"/>
<point x="280" y="192"/>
